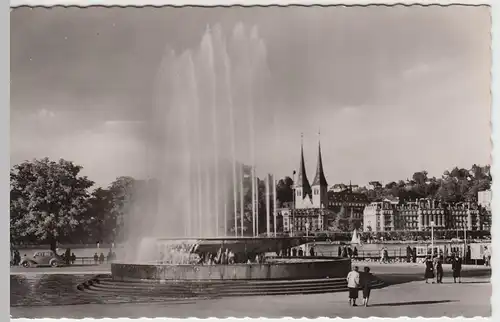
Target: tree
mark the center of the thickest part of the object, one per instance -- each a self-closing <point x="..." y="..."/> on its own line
<point x="101" y="222"/>
<point x="48" y="201"/>
<point x="123" y="193"/>
<point x="284" y="191"/>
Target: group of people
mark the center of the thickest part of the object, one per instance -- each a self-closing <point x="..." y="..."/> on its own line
<point x="347" y="252"/>
<point x="68" y="257"/>
<point x="99" y="259"/>
<point x="434" y="269"/>
<point x="359" y="281"/>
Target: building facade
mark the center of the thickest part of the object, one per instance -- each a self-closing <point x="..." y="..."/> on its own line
<point x="421" y="215"/>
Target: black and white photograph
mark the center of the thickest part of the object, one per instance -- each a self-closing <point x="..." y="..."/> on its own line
<point x="250" y="161"/>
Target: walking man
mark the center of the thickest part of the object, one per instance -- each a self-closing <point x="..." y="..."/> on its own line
<point x="353" y="285"/>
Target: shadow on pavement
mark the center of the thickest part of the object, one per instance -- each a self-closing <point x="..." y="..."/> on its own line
<point x="412" y="303"/>
<point x="400" y="278"/>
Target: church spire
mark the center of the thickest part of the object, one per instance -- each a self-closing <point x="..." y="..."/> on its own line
<point x="302" y="181"/>
<point x="319" y="178"/>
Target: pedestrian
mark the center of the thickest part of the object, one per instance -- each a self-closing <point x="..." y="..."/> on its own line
<point x="96" y="258"/>
<point x="353" y="285"/>
<point x="408" y="254"/>
<point x="294" y="252"/>
<point x="67" y="256"/>
<point x="101" y="258"/>
<point x="349" y="251"/>
<point x="73" y="258"/>
<point x="301" y="252"/>
<point x="486" y="256"/>
<point x="456" y="267"/>
<point x="311" y="251"/>
<point x="366" y="279"/>
<point x="344" y="251"/>
<point x="414" y="255"/>
<point x="439" y="270"/>
<point x="382" y="256"/>
<point x="355" y="252"/>
<point x="339" y="251"/>
<point x="429" y="269"/>
<point x="386" y="255"/>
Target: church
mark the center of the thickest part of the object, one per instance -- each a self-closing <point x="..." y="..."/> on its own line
<point x="314" y="205"/>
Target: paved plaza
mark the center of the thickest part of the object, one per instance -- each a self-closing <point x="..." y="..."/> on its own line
<point x="408" y="295"/>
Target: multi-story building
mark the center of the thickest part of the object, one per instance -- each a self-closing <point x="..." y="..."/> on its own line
<point x="484" y="199"/>
<point x="421" y="214"/>
<point x="381" y="216"/>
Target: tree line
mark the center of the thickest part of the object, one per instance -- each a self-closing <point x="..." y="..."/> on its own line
<point x="455" y="185"/>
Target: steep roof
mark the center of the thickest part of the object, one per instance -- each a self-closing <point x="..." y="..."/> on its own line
<point x="302" y="181"/>
<point x="319" y="178"/>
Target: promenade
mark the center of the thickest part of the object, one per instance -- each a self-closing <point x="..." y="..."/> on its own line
<point x="469" y="299"/>
<point x="406" y="295"/>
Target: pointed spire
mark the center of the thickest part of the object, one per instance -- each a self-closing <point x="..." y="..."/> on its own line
<point x="319" y="178"/>
<point x="302" y="181"/>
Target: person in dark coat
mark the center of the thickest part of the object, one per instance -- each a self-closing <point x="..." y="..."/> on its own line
<point x="311" y="251"/>
<point x="429" y="269"/>
<point x="349" y="251"/>
<point x="439" y="270"/>
<point x="344" y="251"/>
<point x="294" y="252"/>
<point x="96" y="258"/>
<point x="355" y="252"/>
<point x="340" y="251"/>
<point x="456" y="267"/>
<point x="67" y="256"/>
<point x="301" y="252"/>
<point x="366" y="278"/>
<point x="408" y="254"/>
<point x="73" y="258"/>
<point x="414" y="255"/>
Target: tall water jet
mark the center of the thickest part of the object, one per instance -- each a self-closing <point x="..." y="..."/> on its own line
<point x="198" y="172"/>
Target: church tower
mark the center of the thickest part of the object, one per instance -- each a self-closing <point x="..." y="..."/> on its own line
<point x="303" y="192"/>
<point x="319" y="185"/>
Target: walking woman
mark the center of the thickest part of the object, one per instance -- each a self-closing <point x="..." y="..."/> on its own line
<point x="456" y="267"/>
<point x="366" y="280"/>
<point x="429" y="270"/>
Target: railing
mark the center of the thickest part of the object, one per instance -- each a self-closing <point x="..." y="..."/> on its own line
<point x="89" y="261"/>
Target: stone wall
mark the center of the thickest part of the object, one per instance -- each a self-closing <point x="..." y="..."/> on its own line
<point x="319" y="268"/>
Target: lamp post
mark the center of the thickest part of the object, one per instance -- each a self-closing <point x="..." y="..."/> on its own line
<point x="432" y="239"/>
<point x="308" y="225"/>
<point x="293" y="206"/>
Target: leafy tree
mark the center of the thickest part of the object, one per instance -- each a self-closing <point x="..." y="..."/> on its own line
<point x="123" y="193"/>
<point x="284" y="191"/>
<point x="101" y="224"/>
<point x="48" y="201"/>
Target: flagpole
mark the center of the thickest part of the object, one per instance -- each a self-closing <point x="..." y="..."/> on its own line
<point x="257" y="206"/>
<point x="268" y="207"/>
<point x="274" y="205"/>
<point x="241" y="201"/>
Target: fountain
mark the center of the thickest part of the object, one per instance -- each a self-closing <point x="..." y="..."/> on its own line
<point x="207" y="103"/>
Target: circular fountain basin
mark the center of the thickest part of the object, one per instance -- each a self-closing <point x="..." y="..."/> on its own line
<point x="292" y="268"/>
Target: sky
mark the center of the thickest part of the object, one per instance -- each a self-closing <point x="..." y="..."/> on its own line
<point x="392" y="91"/>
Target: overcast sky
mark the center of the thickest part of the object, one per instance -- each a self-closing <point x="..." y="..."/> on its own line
<point x="393" y="90"/>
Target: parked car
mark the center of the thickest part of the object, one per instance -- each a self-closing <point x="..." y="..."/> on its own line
<point x="42" y="258"/>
